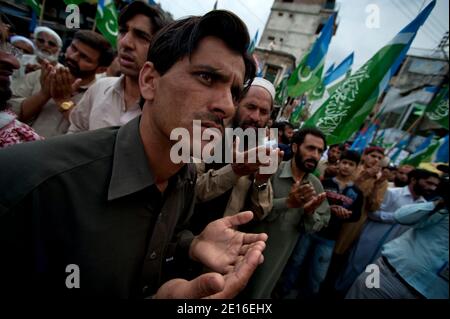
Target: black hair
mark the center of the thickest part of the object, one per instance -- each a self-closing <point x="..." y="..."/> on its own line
<point x="299" y="136"/>
<point x="351" y="156"/>
<point x="181" y="38"/>
<point x="138" y="7"/>
<point x="420" y="174"/>
<point x="97" y="42"/>
<point x="340" y="146"/>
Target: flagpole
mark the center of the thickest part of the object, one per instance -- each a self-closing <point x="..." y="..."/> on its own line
<point x="41" y="17"/>
<point x="419" y="120"/>
<point x="95" y="25"/>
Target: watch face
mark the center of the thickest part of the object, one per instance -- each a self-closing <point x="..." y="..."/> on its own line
<point x="66" y="105"/>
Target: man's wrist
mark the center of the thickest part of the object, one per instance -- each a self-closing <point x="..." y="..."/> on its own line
<point x="65" y="105"/>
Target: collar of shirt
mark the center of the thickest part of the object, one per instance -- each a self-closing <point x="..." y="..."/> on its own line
<point x="286" y="171"/>
<point x="349" y="184"/>
<point x="84" y="88"/>
<point x="404" y="191"/>
<point x="119" y="88"/>
<point x="131" y="172"/>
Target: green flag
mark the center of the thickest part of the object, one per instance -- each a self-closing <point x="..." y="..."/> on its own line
<point x="35" y="5"/>
<point x="281" y="92"/>
<point x="309" y="71"/>
<point x="423" y="156"/>
<point x="347" y="108"/>
<point x="106" y="19"/>
<point x="295" y="115"/>
<point x="317" y="92"/>
<point x="437" y="110"/>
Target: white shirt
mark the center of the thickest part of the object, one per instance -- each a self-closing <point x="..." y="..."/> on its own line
<point x="50" y="121"/>
<point x="102" y="105"/>
<point x="394" y="198"/>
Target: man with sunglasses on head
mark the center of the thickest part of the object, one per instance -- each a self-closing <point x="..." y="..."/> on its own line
<point x="113" y="101"/>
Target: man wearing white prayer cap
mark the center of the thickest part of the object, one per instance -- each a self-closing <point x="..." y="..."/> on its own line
<point x="47" y="47"/>
<point x="224" y="189"/>
<point x="48" y="44"/>
<point x="255" y="108"/>
<point x="23" y="44"/>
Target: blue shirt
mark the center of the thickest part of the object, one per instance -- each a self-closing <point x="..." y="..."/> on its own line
<point x="420" y="254"/>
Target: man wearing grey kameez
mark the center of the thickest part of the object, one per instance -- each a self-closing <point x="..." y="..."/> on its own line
<point x="299" y="206"/>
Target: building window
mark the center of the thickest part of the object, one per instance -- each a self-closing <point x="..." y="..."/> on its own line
<point x="280" y="14"/>
<point x="271" y="38"/>
<point x="281" y="39"/>
<point x="287" y="0"/>
<point x="272" y="72"/>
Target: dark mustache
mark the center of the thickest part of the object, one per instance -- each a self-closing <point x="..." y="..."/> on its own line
<point x="312" y="161"/>
<point x="210" y="118"/>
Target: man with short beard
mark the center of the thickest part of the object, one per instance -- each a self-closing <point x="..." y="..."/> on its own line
<point x="381" y="226"/>
<point x="49" y="93"/>
<point x="114" y="101"/>
<point x="299" y="206"/>
<point x="328" y="168"/>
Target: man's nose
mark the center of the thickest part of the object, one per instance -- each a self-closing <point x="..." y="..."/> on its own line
<point x="254" y="115"/>
<point x="126" y="41"/>
<point x="223" y="105"/>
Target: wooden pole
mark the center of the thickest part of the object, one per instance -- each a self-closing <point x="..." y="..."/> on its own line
<point x="41" y="17"/>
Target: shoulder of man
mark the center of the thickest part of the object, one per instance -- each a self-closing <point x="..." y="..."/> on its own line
<point x="24" y="167"/>
<point x="103" y="84"/>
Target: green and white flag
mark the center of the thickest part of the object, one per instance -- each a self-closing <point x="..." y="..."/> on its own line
<point x="317" y="93"/>
<point x="106" y="19"/>
<point x="438" y="109"/>
<point x="35" y="5"/>
<point x="309" y="71"/>
<point x="281" y="92"/>
<point x="347" y="108"/>
<point x="424" y="156"/>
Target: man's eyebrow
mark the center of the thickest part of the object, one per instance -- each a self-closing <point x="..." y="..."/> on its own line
<point x="141" y="33"/>
<point x="214" y="71"/>
<point x="238" y="89"/>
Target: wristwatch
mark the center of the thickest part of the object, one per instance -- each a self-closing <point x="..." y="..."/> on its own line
<point x="67" y="105"/>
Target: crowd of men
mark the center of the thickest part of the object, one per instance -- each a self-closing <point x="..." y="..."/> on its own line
<point x="91" y="182"/>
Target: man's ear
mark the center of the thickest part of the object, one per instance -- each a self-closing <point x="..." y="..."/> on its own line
<point x="147" y="80"/>
<point x="294" y="147"/>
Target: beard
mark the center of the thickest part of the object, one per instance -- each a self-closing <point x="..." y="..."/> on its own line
<point x="400" y="183"/>
<point x="46" y="56"/>
<point x="301" y="163"/>
<point x="75" y="70"/>
<point x="420" y="191"/>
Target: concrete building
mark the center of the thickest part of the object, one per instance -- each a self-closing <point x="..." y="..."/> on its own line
<point x="290" y="31"/>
